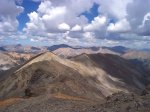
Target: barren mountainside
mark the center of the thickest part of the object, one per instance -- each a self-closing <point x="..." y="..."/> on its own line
<point x="71" y="52"/>
<point x="12" y="59"/>
<point x="85" y="79"/>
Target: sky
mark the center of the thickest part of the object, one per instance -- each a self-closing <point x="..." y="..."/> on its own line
<point x="75" y="22"/>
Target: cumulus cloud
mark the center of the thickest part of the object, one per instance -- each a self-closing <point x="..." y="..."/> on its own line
<point x="46" y="19"/>
<point x="63" y="27"/>
<point x="144" y="28"/>
<point x="8" y="20"/>
<point x="8" y="13"/>
<point x="113" y="8"/>
<point x="89" y="36"/>
<point x="76" y="28"/>
<point x="50" y="15"/>
<point x="97" y="24"/>
<point x="121" y="26"/>
<point x="137" y="12"/>
<point x="65" y="21"/>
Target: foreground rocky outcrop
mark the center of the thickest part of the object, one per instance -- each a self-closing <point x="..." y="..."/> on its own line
<point x="125" y="102"/>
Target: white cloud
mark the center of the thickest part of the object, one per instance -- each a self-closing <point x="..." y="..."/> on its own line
<point x="50" y="15"/>
<point x="144" y="28"/>
<point x="8" y="19"/>
<point x="89" y="36"/>
<point x="76" y="28"/>
<point x="121" y="26"/>
<point x="64" y="21"/>
<point x="8" y="13"/>
<point x="33" y="40"/>
<point x="113" y="8"/>
<point x="136" y="14"/>
<point x="146" y="18"/>
<point x="35" y="24"/>
<point x="97" y="24"/>
<point x="46" y="19"/>
<point x="63" y="27"/>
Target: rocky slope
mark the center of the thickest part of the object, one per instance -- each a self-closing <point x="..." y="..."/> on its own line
<point x="134" y="54"/>
<point x="48" y="82"/>
<point x="12" y="59"/>
<point x="71" y="52"/>
<point x="141" y="59"/>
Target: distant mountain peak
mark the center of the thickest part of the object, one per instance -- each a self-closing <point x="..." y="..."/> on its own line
<point x="18" y="45"/>
<point x="2" y="49"/>
<point x="118" y="49"/>
<point x="54" y="47"/>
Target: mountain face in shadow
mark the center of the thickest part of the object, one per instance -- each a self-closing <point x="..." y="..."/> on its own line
<point x="141" y="59"/>
<point x="118" y="49"/>
<point x="54" y="47"/>
<point x="2" y="49"/>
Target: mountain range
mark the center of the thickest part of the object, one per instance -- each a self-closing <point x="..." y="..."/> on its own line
<point x="89" y="79"/>
<point x="66" y="51"/>
<point x="12" y="59"/>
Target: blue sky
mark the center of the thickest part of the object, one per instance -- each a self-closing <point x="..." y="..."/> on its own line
<point x="77" y="23"/>
<point x="92" y="13"/>
<point x="23" y="18"/>
<point x="30" y="6"/>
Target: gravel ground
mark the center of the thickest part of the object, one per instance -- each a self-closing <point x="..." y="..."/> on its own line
<point x="119" y="102"/>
